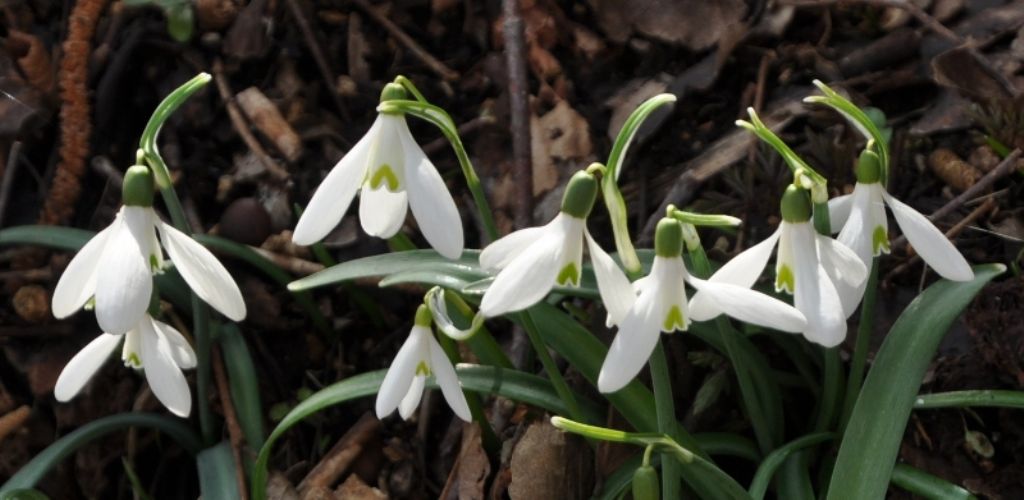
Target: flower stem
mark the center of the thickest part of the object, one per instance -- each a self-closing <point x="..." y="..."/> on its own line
<point x="664" y="405"/>
<point x="860" y="351"/>
<point x="564" y="393"/>
<point x="201" y="332"/>
<point x="147" y="143"/>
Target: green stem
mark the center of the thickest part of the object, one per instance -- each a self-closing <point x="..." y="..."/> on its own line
<point x="148" y="144"/>
<point x="201" y="333"/>
<point x="831" y="389"/>
<point x="860" y="351"/>
<point x="550" y="367"/>
<point x="664" y="406"/>
<point x="961" y="399"/>
<point x="490" y="440"/>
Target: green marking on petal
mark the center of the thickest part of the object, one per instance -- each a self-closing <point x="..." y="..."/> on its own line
<point x="880" y="240"/>
<point x="423" y="369"/>
<point x="384" y="173"/>
<point x="674" y="320"/>
<point x="133" y="360"/>
<point x="569" y="275"/>
<point x="90" y="304"/>
<point x="154" y="263"/>
<point x="785" y="280"/>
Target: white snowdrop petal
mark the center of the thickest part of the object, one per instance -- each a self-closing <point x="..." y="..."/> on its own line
<point x="616" y="291"/>
<point x="752" y="307"/>
<point x="933" y="246"/>
<point x="382" y="212"/>
<point x="638" y="334"/>
<point x="572" y="251"/>
<point x="448" y="381"/>
<point x="528" y="278"/>
<point x="742" y="270"/>
<point x="846" y="271"/>
<point x="165" y="378"/>
<point x="431" y="203"/>
<point x="814" y="294"/>
<point x="124" y="284"/>
<point x="332" y="198"/>
<point x="84" y="365"/>
<point x="205" y="275"/>
<point x="412" y="398"/>
<point x="181" y="351"/>
<point x="500" y="253"/>
<point x="856" y="233"/>
<point x="78" y="283"/>
<point x="400" y="375"/>
<point x="839" y="211"/>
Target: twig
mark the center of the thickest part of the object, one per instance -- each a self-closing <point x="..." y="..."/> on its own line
<point x="13" y="420"/>
<point x="231" y="418"/>
<point x="318" y="56"/>
<point x="519" y="102"/>
<point x="342" y="454"/>
<point x="905" y="5"/>
<point x="989" y="204"/>
<point x="13" y="157"/>
<point x="294" y="265"/>
<point x="241" y="126"/>
<point x="1008" y="165"/>
<point x="432" y="62"/>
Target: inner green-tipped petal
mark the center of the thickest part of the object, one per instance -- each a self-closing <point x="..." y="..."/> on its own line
<point x="382" y="174"/>
<point x="785" y="280"/>
<point x="133" y="360"/>
<point x="423" y="369"/>
<point x="880" y="240"/>
<point x="569" y="275"/>
<point x="674" y="320"/>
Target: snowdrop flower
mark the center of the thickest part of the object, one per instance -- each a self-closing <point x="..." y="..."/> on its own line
<point x="150" y="345"/>
<point x="533" y="260"/>
<point x="390" y="172"/>
<point x="660" y="306"/>
<point x="861" y="215"/>
<point x="824" y="276"/>
<point x="115" y="268"/>
<point x="420" y="357"/>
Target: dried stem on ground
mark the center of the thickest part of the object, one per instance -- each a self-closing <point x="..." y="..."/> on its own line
<point x="432" y="62"/>
<point x="231" y="419"/>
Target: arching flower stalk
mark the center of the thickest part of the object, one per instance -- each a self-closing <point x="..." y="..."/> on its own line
<point x="115" y="268"/>
<point x="391" y="173"/>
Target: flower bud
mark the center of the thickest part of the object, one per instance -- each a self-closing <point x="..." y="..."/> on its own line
<point x="580" y="195"/>
<point x="392" y="92"/>
<point x="668" y="238"/>
<point x="796" y="205"/>
<point x="645" y="483"/>
<point x="137" y="189"/>
<point x="423" y="316"/>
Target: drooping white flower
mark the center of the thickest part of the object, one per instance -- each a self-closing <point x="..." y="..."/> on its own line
<point x="861" y="215"/>
<point x="392" y="173"/>
<point x="824" y="276"/>
<point x="533" y="260"/>
<point x="420" y="357"/>
<point x="660" y="305"/>
<point x="150" y="345"/>
<point x="115" y="268"/>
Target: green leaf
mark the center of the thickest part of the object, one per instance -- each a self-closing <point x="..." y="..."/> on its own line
<point x="245" y="387"/>
<point x="217" y="474"/>
<point x="32" y="472"/>
<point x="965" y="399"/>
<point x="511" y="384"/>
<point x="23" y="494"/>
<point x="63" y="238"/>
<point x="872" y="439"/>
<point x="180" y="22"/>
<point x="629" y="128"/>
<point x="765" y="471"/>
<point x="925" y="485"/>
<point x="466" y="267"/>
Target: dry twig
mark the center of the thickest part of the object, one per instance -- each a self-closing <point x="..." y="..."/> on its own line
<point x="432" y="62"/>
<point x="342" y="454"/>
<point x="519" y="102"/>
<point x="318" y="55"/>
<point x="13" y="420"/>
<point x="231" y="419"/>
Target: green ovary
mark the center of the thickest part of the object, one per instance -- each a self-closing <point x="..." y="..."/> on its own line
<point x="423" y="369"/>
<point x="674" y="320"/>
<point x="384" y="174"/>
<point x="880" y="240"/>
<point x="569" y="275"/>
<point x="785" y="280"/>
